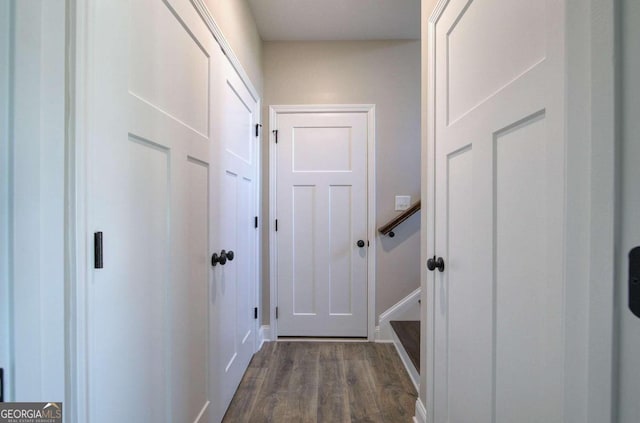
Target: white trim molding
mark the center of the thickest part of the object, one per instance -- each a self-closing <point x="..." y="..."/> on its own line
<point x="204" y="12"/>
<point x="370" y="109"/>
<point x="407" y="308"/>
<point x="264" y="335"/>
<point x="421" y="412"/>
<point x="408" y="365"/>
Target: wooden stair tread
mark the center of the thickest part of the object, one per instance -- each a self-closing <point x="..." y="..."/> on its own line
<point x="408" y="332"/>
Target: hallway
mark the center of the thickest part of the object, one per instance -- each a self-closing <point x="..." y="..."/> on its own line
<point x="324" y="382"/>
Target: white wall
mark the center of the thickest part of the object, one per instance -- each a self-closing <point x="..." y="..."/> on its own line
<point x="384" y="73"/>
<point x="34" y="206"/>
<point x="235" y="19"/>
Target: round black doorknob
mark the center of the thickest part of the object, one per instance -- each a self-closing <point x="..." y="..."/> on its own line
<point x="360" y="243"/>
<point x="435" y="263"/>
<point x="215" y="259"/>
<point x="230" y="255"/>
<point x="223" y="257"/>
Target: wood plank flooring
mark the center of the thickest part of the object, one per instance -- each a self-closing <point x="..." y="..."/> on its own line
<point x="324" y="382"/>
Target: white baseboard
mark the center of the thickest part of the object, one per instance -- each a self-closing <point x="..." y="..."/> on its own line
<point x="264" y="335"/>
<point x="203" y="416"/>
<point x="407" y="308"/>
<point x="421" y="412"/>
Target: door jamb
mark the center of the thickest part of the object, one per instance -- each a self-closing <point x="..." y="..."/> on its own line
<point x="369" y="109"/>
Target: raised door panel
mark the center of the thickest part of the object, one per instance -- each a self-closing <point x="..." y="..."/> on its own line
<point x="169" y="64"/>
<point x="497" y="54"/>
<point x="527" y="308"/>
<point x="303" y="257"/>
<point x="128" y="302"/>
<point x="190" y="298"/>
<point x="341" y="270"/>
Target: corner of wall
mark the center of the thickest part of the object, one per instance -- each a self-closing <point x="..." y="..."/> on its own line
<point x="406" y="309"/>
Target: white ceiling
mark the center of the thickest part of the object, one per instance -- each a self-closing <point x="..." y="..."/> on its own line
<point x="310" y="20"/>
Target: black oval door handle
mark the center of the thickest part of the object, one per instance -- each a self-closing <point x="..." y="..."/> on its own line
<point x="435" y="263"/>
<point x="230" y="255"/>
<point x="360" y="243"/>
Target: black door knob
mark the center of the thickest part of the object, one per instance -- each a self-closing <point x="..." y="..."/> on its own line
<point x="223" y="257"/>
<point x="230" y="255"/>
<point x="215" y="259"/>
<point x="360" y="243"/>
<point x="435" y="263"/>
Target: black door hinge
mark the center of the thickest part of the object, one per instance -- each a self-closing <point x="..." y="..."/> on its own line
<point x="255" y="313"/>
<point x="258" y="126"/>
<point x="276" y="312"/>
<point x="276" y="225"/>
<point x="1" y="384"/>
<point x="255" y="222"/>
<point x="275" y="132"/>
<point x="98" y="262"/>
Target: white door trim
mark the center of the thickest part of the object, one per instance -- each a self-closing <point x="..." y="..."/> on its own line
<point x="591" y="181"/>
<point x="371" y="211"/>
<point x="78" y="242"/>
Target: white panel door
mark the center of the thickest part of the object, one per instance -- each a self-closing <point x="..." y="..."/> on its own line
<point x="148" y="152"/>
<point x="234" y="206"/>
<point x="498" y="201"/>
<point x="321" y="209"/>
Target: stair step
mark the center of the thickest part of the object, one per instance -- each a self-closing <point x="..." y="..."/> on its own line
<point x="408" y="332"/>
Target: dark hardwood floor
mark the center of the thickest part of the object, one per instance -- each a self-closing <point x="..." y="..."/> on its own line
<point x="324" y="382"/>
<point x="408" y="332"/>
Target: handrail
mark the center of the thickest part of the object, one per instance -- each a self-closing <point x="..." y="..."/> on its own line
<point x="388" y="228"/>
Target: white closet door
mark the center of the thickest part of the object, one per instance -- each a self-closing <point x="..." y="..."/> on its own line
<point x="498" y="204"/>
<point x="148" y="158"/>
<point x="234" y="206"/>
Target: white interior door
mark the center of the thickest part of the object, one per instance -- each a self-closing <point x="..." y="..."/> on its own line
<point x="498" y="201"/>
<point x="234" y="203"/>
<point x="628" y="323"/>
<point x="321" y="209"/>
<point x="148" y="151"/>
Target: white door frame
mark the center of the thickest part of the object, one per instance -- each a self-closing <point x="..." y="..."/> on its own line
<point x="370" y="110"/>
<point x="78" y="241"/>
<point x="5" y="206"/>
<point x="590" y="235"/>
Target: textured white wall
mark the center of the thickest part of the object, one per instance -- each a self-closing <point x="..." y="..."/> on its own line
<point x="384" y="73"/>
